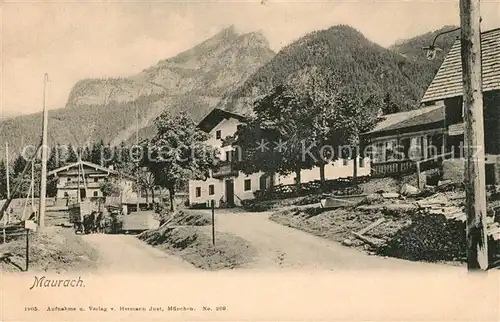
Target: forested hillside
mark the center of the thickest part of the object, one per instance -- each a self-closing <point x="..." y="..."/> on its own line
<point x="230" y="70"/>
<point x="399" y="75"/>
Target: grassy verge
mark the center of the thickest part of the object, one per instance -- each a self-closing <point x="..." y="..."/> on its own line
<point x="55" y="249"/>
<point x="194" y="244"/>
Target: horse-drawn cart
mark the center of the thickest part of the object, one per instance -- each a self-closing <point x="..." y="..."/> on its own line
<point x="79" y="215"/>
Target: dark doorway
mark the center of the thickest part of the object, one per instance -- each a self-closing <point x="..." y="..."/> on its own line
<point x="83" y="194"/>
<point x="263" y="182"/>
<point x="230" y="193"/>
<point x="455" y="145"/>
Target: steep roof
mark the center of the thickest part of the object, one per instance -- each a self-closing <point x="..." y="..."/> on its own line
<point x="448" y="81"/>
<point x="423" y="115"/>
<point x="89" y="164"/>
<point x="215" y="117"/>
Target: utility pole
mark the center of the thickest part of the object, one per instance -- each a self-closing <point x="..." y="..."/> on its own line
<point x="43" y="181"/>
<point x="7" y="168"/>
<point x="477" y="241"/>
<point x="6" y="219"/>
<point x="137" y="146"/>
<point x="78" y="196"/>
<point x="212" y="205"/>
<point x="32" y="187"/>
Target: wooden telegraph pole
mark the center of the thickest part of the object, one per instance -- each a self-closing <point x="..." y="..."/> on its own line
<point x="43" y="181"/>
<point x="6" y="219"/>
<point x="477" y="242"/>
<point x="137" y="147"/>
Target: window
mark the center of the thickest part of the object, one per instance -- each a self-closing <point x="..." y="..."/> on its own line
<point x="228" y="155"/>
<point x="96" y="194"/>
<point x="390" y="150"/>
<point x="248" y="184"/>
<point x="218" y="134"/>
<point x="211" y="189"/>
<point x="69" y="179"/>
<point x="362" y="162"/>
<point x="415" y="152"/>
<point x="345" y="161"/>
<point x="198" y="191"/>
<point x="96" y="179"/>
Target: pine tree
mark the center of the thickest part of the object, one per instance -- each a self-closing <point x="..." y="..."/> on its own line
<point x="71" y="154"/>
<point x="53" y="160"/>
<point x="19" y="164"/>
<point x="3" y="180"/>
<point x="97" y="149"/>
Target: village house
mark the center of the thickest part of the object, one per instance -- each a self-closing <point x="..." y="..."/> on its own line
<point x="400" y="139"/>
<point x="228" y="187"/>
<point x="86" y="179"/>
<point x="439" y="122"/>
<point x="447" y="86"/>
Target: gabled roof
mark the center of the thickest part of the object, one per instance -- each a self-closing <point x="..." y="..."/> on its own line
<point x="420" y="116"/>
<point x="435" y="115"/>
<point x="88" y="164"/>
<point x="215" y="117"/>
<point x="448" y="81"/>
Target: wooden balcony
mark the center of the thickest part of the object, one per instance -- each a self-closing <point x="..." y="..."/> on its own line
<point x="225" y="169"/>
<point x="389" y="168"/>
<point x="384" y="169"/>
<point x="74" y="185"/>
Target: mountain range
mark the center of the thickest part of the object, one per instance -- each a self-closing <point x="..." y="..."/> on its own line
<point x="229" y="70"/>
<point x="401" y="72"/>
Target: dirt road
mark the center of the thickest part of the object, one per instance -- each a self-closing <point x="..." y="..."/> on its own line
<point x="127" y="254"/>
<point x="283" y="247"/>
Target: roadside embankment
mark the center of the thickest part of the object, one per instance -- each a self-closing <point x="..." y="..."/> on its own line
<point x="54" y="249"/>
<point x="189" y="236"/>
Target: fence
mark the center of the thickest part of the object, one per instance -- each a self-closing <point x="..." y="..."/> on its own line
<point x="398" y="167"/>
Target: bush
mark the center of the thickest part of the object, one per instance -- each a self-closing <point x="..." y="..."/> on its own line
<point x="256" y="205"/>
<point x="200" y="205"/>
<point x="340" y="187"/>
<point x="307" y="200"/>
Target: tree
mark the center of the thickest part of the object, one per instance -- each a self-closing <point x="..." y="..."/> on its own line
<point x="389" y="106"/>
<point x="19" y="165"/>
<point x="147" y="182"/>
<point x="71" y="155"/>
<point x="178" y="153"/>
<point x="315" y="116"/>
<point x="95" y="153"/>
<point x="3" y="179"/>
<point x="86" y="153"/>
<point x="52" y="164"/>
<point x="122" y="160"/>
<point x="54" y="157"/>
<point x="273" y="141"/>
<point x="110" y="189"/>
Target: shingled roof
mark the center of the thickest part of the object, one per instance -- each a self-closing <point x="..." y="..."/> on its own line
<point x="431" y="117"/>
<point x="396" y="120"/>
<point x="448" y="81"/>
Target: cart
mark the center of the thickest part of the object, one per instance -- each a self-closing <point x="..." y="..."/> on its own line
<point x="138" y="222"/>
<point x="77" y="214"/>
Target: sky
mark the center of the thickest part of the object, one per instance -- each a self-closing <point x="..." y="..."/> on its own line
<point x="75" y="40"/>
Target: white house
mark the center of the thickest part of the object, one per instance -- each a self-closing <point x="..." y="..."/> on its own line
<point x="228" y="187"/>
